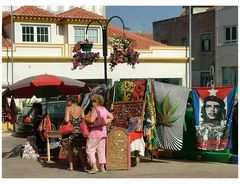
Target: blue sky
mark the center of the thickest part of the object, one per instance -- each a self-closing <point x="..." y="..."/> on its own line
<point x="140" y="18"/>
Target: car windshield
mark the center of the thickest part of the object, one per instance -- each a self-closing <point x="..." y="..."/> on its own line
<point x="56" y="108"/>
<point x="26" y="110"/>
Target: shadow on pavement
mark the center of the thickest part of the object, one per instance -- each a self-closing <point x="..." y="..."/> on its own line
<point x="52" y="164"/>
<point x="146" y="159"/>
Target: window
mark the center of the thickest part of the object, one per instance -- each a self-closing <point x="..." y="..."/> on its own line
<point x="164" y="41"/>
<point x="80" y="34"/>
<point x="42" y="34"/>
<point x="35" y="33"/>
<point x="206" y="42"/>
<point x="230" y="76"/>
<point x="27" y="34"/>
<point x="184" y="40"/>
<point x="230" y="34"/>
<point x="205" y="78"/>
<point x="175" y="81"/>
<point x="93" y="35"/>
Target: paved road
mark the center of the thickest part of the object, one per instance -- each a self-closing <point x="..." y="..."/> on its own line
<point x="16" y="167"/>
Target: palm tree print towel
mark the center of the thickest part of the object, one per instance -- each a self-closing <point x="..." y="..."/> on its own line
<point x="170" y="102"/>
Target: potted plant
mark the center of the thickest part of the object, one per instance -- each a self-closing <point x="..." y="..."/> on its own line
<point x="123" y="52"/>
<point x="86" y="45"/>
<point x="83" y="57"/>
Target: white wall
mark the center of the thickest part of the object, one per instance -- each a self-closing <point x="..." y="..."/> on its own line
<point x="96" y="71"/>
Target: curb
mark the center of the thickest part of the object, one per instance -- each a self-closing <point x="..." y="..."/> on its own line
<point x="6" y="134"/>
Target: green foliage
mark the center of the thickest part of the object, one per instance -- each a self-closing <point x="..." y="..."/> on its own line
<point x="166" y="112"/>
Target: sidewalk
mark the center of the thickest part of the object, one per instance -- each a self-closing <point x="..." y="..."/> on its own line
<point x="20" y="168"/>
<point x="15" y="167"/>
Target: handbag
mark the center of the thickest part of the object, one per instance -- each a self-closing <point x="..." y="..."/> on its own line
<point x="99" y="122"/>
<point x="84" y="128"/>
<point x="66" y="128"/>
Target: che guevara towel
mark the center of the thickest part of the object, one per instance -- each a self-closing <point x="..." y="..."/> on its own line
<point x="213" y="110"/>
<point x="171" y="101"/>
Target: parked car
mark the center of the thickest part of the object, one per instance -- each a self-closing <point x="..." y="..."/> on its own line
<point x="26" y="124"/>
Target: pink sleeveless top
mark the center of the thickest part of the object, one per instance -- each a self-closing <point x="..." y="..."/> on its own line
<point x="99" y="132"/>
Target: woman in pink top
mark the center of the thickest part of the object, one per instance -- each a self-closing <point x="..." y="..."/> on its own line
<point x="96" y="141"/>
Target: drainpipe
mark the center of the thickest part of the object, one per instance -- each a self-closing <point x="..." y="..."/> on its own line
<point x="12" y="40"/>
<point x="190" y="47"/>
<point x="186" y="67"/>
<point x="7" y="66"/>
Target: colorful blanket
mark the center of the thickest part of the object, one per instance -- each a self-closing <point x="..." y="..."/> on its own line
<point x="129" y="90"/>
<point x="170" y="102"/>
<point x="213" y="110"/>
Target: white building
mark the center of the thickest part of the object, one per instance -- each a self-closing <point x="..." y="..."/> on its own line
<point x="226" y="45"/>
<point x="43" y="42"/>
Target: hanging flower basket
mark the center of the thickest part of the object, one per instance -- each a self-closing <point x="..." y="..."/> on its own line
<point x="83" y="58"/>
<point x="86" y="46"/>
<point x="123" y="52"/>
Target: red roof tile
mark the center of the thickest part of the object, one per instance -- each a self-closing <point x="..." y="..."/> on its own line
<point x="145" y="35"/>
<point x="79" y="13"/>
<point x="5" y="14"/>
<point x="140" y="42"/>
<point x="32" y="11"/>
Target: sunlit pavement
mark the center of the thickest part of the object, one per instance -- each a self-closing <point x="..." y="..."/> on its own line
<point x="15" y="167"/>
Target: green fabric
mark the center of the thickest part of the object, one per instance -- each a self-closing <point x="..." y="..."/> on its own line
<point x="151" y="130"/>
<point x="117" y="91"/>
<point x="217" y="157"/>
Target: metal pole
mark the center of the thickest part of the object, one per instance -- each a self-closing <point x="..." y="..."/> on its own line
<point x="104" y="34"/>
<point x="12" y="40"/>
<point x="190" y="46"/>
<point x="104" y="37"/>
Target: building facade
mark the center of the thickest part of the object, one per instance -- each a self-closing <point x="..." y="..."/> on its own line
<point x="100" y="10"/>
<point x="226" y="66"/>
<point x="43" y="43"/>
<point x="175" y="31"/>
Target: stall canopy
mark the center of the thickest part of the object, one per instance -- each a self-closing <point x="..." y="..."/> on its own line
<point x="43" y="86"/>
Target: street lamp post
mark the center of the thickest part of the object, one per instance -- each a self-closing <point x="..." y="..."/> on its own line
<point x="104" y="37"/>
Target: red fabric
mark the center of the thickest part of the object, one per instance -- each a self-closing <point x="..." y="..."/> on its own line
<point x="205" y="91"/>
<point x="135" y="135"/>
<point x="5" y="105"/>
<point x="139" y="90"/>
<point x="43" y="80"/>
<point x="45" y="126"/>
<point x="13" y="111"/>
<point x="65" y="129"/>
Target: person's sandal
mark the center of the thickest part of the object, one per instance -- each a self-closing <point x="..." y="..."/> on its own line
<point x="93" y="171"/>
<point x="70" y="169"/>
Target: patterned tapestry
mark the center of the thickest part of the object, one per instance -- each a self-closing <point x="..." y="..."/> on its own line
<point x="123" y="112"/>
<point x="170" y="102"/>
<point x="129" y="90"/>
<point x="150" y="117"/>
<point x="213" y="110"/>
